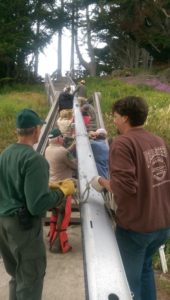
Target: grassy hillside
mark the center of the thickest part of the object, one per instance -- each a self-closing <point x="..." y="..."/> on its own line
<point x="159" y="103"/>
<point x="13" y="100"/>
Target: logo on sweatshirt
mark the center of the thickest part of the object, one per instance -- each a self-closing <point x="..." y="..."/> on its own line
<point x="156" y="159"/>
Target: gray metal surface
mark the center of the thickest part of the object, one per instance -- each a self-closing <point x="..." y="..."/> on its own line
<point x="50" y="121"/>
<point x="99" y="117"/>
<point x="52" y="94"/>
<point x="104" y="272"/>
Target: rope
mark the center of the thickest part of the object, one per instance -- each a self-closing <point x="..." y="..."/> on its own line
<point x="85" y="193"/>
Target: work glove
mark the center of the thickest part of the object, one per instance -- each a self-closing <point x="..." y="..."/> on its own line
<point x="66" y="186"/>
<point x="95" y="184"/>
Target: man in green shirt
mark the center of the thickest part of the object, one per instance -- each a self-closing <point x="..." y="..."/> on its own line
<point x="24" y="199"/>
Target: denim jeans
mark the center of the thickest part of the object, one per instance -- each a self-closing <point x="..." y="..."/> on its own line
<point x="137" y="250"/>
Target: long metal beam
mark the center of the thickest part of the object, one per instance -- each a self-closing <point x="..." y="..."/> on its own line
<point x="104" y="272"/>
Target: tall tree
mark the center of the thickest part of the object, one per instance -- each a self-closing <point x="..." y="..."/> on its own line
<point x="147" y="22"/>
<point x="59" y="67"/>
<point x="118" y="50"/>
<point x="45" y="21"/>
<point x="83" y="36"/>
<point x="72" y="38"/>
<point x="26" y="26"/>
<point x="15" y="35"/>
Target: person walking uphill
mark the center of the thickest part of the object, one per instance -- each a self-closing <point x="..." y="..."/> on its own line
<point x="24" y="199"/>
<point x="140" y="180"/>
<point x="81" y="91"/>
<point x="65" y="99"/>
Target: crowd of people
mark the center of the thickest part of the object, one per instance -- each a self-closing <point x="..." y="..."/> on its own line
<point x="65" y="121"/>
<point x="135" y="167"/>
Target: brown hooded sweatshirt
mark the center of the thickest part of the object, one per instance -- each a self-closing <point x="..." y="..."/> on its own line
<point x="140" y="180"/>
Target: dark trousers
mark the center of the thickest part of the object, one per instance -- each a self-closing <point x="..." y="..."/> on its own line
<point x="137" y="250"/>
<point x="24" y="256"/>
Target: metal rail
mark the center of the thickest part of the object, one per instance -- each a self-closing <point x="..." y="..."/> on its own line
<point x="51" y="117"/>
<point x="99" y="118"/>
<point x="50" y="90"/>
<point x="50" y="121"/>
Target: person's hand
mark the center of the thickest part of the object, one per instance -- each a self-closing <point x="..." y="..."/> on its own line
<point x="92" y="134"/>
<point x="105" y="183"/>
<point x="66" y="186"/>
<point x="100" y="183"/>
<point x="95" y="184"/>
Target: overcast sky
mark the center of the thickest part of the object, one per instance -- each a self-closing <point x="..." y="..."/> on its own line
<point x="48" y="60"/>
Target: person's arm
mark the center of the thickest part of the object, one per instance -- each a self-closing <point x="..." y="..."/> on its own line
<point x="123" y="179"/>
<point x="39" y="198"/>
<point x="76" y="90"/>
<point x="70" y="161"/>
<point x="72" y="147"/>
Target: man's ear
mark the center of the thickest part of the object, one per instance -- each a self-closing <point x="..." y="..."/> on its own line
<point x="36" y="130"/>
<point x="125" y="119"/>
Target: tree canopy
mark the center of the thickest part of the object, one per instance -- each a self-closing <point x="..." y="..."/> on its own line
<point x="115" y="34"/>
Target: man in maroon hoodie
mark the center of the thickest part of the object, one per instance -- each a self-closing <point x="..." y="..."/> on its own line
<point x="140" y="180"/>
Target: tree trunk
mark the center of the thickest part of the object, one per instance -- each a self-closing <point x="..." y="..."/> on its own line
<point x="91" y="66"/>
<point x="59" y="64"/>
<point x="72" y="40"/>
<point x="36" y="52"/>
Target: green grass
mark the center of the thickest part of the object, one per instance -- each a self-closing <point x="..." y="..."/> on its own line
<point x="22" y="88"/>
<point x="159" y="103"/>
<point x="13" y="101"/>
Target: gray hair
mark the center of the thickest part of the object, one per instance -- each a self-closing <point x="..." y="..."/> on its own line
<point x="25" y="131"/>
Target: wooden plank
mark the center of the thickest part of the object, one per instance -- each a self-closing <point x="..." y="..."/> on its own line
<point x="73" y="221"/>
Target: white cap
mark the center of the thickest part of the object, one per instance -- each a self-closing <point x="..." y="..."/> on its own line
<point x="101" y="131"/>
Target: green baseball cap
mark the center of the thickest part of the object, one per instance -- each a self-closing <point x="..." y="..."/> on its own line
<point x="55" y="132"/>
<point x="28" y="118"/>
